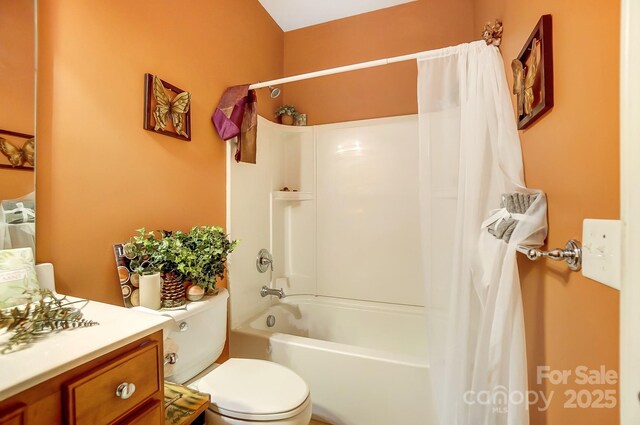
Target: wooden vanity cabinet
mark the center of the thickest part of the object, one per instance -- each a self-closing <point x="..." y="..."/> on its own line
<point x="87" y="393"/>
<point x="14" y="416"/>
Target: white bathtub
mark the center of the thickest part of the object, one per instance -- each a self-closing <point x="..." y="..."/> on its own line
<point x="365" y="363"/>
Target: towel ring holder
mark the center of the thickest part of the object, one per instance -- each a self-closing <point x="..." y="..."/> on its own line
<point x="570" y="254"/>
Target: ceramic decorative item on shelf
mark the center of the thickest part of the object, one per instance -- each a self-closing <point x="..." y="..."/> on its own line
<point x="300" y="120"/>
<point x="150" y="286"/>
<point x="195" y="293"/>
<point x="286" y="114"/>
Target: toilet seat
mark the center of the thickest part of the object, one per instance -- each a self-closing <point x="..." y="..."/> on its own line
<point x="255" y="390"/>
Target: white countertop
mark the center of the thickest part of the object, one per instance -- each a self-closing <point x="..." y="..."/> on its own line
<point x="62" y="351"/>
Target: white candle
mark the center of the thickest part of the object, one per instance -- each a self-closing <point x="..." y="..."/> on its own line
<point x="150" y="285"/>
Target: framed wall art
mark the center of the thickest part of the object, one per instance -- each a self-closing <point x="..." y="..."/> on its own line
<point x="167" y="109"/>
<point x="533" y="75"/>
<point x="18" y="150"/>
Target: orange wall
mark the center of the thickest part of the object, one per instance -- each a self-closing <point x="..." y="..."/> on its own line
<point x="17" y="65"/>
<point x="17" y="62"/>
<point x="377" y="92"/>
<point x="100" y="175"/>
<point x="15" y="183"/>
<point x="573" y="155"/>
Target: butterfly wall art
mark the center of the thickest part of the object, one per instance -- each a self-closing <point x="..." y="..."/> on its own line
<point x="524" y="80"/>
<point x="533" y="75"/>
<point x="167" y="109"/>
<point x="18" y="150"/>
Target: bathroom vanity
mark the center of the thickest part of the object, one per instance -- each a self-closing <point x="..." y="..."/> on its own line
<point x="83" y="376"/>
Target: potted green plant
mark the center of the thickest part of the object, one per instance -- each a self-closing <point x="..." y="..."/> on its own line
<point x="164" y="252"/>
<point x="157" y="251"/>
<point x="286" y="114"/>
<point x="198" y="256"/>
<point x="209" y="248"/>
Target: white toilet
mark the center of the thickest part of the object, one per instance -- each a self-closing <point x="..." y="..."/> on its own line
<point x="243" y="391"/>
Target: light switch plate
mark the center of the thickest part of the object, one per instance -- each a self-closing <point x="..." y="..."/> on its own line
<point x="601" y="246"/>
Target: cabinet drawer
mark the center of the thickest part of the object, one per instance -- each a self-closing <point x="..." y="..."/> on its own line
<point x="92" y="398"/>
<point x="150" y="413"/>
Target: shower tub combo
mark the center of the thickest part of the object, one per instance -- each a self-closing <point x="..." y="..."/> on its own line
<point x="349" y="325"/>
<point x="365" y="362"/>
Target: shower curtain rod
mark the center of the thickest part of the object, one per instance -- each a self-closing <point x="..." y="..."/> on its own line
<point x="492" y="35"/>
<point x="347" y="68"/>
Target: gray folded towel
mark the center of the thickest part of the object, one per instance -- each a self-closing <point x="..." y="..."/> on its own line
<point x="12" y="205"/>
<point x="18" y="217"/>
<point x="516" y="203"/>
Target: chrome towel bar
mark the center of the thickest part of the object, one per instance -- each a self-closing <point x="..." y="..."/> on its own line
<point x="570" y="254"/>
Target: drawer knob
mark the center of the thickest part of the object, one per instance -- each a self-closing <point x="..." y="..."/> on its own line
<point x="125" y="390"/>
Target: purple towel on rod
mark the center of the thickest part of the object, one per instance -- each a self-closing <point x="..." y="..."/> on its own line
<point x="236" y="116"/>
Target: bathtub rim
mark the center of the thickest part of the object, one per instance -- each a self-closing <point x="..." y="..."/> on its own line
<point x="331" y="346"/>
<point x="335" y="347"/>
<point x="352" y="303"/>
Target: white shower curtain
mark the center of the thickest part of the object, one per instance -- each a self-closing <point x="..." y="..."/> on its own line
<point x="469" y="156"/>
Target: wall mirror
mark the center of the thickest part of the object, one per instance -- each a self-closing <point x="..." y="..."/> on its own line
<point x="17" y="123"/>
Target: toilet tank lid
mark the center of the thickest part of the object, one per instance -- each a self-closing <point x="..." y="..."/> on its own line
<point x="192" y="307"/>
<point x="254" y="387"/>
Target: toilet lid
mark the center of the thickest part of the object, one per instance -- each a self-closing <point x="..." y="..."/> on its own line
<point x="241" y="387"/>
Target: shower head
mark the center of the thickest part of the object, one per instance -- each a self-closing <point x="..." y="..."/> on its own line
<point x="275" y="92"/>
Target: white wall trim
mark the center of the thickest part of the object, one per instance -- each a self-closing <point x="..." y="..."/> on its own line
<point x="630" y="212"/>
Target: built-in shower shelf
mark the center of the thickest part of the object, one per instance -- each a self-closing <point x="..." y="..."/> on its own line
<point x="280" y="195"/>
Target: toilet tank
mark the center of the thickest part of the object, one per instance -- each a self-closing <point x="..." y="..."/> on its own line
<point x="197" y="335"/>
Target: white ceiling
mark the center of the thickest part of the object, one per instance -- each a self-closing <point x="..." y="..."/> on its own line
<point x="294" y="14"/>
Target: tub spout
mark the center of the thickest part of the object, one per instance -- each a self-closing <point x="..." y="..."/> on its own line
<point x="264" y="291"/>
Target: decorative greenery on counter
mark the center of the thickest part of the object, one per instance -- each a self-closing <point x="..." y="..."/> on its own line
<point x="42" y="314"/>
<point x="286" y="110"/>
<point x="198" y="256"/>
<point x="210" y="247"/>
<point x="158" y="251"/>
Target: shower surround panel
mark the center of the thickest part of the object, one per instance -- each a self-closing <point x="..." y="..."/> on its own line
<point x="352" y="228"/>
<point x="367" y="211"/>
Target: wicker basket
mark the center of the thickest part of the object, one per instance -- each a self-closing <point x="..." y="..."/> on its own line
<point x="173" y="293"/>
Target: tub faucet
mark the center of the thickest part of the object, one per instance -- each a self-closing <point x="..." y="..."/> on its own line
<point x="265" y="290"/>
